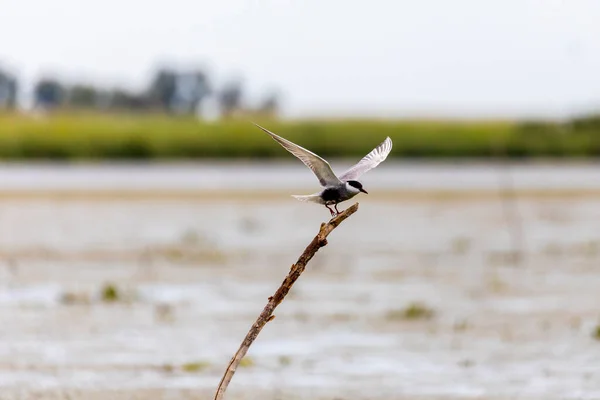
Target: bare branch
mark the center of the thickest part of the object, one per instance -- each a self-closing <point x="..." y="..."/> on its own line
<point x="267" y="314"/>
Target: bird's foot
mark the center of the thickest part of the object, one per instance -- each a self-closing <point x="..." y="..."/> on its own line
<point x="333" y="213"/>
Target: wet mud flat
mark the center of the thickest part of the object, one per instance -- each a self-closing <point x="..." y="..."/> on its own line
<point x="413" y="298"/>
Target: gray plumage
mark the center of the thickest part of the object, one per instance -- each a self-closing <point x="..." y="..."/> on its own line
<point x="336" y="189"/>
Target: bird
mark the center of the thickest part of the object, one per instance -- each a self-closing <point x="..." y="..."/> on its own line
<point x="336" y="188"/>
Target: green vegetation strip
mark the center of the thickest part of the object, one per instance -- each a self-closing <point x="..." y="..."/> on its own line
<point x="146" y="137"/>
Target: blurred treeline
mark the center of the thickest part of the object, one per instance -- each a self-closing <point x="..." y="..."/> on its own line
<point x="166" y="121"/>
<point x="170" y="91"/>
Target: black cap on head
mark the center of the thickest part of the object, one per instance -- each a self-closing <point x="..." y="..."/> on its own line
<point x="358" y="185"/>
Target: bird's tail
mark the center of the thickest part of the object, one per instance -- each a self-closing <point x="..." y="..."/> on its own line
<point x="311" y="198"/>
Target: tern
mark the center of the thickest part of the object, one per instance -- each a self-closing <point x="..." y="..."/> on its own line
<point x="336" y="188"/>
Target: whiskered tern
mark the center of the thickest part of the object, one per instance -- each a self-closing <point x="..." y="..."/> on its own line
<point x="336" y="188"/>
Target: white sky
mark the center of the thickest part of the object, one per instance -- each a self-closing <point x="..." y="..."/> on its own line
<point x="330" y="57"/>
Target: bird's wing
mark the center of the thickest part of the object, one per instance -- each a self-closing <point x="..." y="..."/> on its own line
<point x="368" y="162"/>
<point x="319" y="166"/>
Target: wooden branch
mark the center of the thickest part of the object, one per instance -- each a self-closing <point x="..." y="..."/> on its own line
<point x="267" y="314"/>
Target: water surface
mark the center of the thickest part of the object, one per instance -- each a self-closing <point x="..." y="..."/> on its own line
<point x="194" y="272"/>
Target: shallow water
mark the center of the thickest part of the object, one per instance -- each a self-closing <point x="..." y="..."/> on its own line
<point x="194" y="272"/>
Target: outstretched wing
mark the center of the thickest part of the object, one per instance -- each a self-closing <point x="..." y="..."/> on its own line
<point x="368" y="162"/>
<point x="319" y="166"/>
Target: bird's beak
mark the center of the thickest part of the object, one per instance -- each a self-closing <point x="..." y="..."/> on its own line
<point x="363" y="190"/>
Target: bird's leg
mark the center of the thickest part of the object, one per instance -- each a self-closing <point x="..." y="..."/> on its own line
<point x="336" y="210"/>
<point x="330" y="210"/>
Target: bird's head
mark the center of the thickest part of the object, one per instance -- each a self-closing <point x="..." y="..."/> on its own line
<point x="355" y="186"/>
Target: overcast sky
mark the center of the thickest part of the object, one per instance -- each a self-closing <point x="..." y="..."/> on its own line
<point x="338" y="57"/>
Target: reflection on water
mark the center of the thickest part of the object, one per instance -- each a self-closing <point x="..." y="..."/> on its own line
<point x="410" y="298"/>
